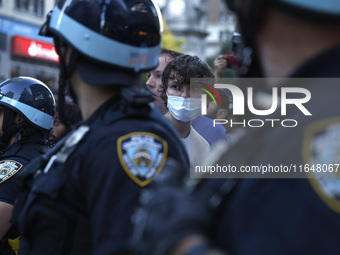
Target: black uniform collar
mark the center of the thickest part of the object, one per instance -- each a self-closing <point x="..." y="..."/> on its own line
<point x="34" y="138"/>
<point x="325" y="64"/>
<point x="38" y="139"/>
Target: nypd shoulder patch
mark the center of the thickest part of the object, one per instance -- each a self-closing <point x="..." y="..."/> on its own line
<point x="142" y="156"/>
<point x="8" y="168"/>
<point x="321" y="153"/>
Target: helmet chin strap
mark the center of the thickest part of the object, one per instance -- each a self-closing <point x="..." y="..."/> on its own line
<point x="64" y="75"/>
<point x="8" y="128"/>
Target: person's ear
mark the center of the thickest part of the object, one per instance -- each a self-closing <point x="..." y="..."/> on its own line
<point x="221" y="114"/>
<point x="19" y="119"/>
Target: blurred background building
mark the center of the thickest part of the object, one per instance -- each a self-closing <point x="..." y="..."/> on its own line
<point x="221" y="25"/>
<point x="22" y="51"/>
<point x="187" y="20"/>
<point x="203" y="26"/>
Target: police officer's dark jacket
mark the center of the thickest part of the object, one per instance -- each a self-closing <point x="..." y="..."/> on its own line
<point x="289" y="216"/>
<point x="82" y="200"/>
<point x="12" y="161"/>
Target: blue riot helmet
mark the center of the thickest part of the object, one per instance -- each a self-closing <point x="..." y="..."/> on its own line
<point x="113" y="40"/>
<point x="31" y="99"/>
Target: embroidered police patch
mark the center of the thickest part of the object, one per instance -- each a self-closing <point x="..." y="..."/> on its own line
<point x="142" y="156"/>
<point x="321" y="153"/>
<point x="8" y="168"/>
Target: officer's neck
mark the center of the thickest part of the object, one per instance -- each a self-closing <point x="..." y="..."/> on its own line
<point x="90" y="98"/>
<point x="13" y="139"/>
<point x="284" y="42"/>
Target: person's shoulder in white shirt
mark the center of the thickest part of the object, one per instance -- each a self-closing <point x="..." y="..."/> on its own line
<point x="196" y="146"/>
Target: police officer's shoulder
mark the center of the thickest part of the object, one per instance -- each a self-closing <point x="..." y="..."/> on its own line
<point x="16" y="157"/>
<point x="141" y="153"/>
<point x="8" y="168"/>
<point x="321" y="152"/>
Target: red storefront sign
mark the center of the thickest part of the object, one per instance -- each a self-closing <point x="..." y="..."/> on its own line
<point x="26" y="47"/>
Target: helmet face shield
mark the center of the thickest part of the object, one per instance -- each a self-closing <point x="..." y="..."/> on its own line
<point x="123" y="34"/>
<point x="30" y="98"/>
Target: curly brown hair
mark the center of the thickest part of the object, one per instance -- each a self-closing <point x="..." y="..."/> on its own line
<point x="183" y="68"/>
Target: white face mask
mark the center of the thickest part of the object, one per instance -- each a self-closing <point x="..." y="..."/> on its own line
<point x="184" y="109"/>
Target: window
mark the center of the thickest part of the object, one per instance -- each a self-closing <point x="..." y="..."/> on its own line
<point x="3" y="39"/>
<point x="230" y="18"/>
<point x="222" y="17"/>
<point x="221" y="35"/>
<point x="32" y="6"/>
<point x="203" y="17"/>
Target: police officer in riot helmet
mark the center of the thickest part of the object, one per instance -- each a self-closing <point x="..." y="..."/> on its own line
<point x="79" y="198"/>
<point x="26" y="116"/>
<point x="292" y="212"/>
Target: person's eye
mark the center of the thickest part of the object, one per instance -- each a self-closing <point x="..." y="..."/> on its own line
<point x="148" y="75"/>
<point x="175" y="86"/>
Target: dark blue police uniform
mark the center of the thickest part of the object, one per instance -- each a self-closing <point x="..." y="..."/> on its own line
<point x="12" y="161"/>
<point x="82" y="200"/>
<point x="288" y="216"/>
